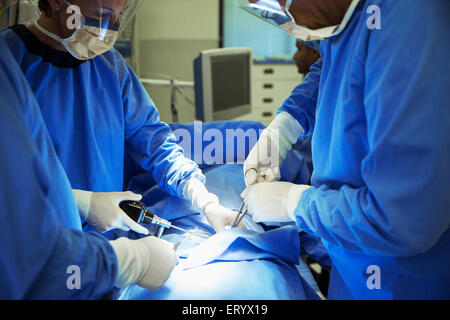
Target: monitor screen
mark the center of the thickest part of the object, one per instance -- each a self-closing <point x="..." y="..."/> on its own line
<point x="223" y="83"/>
<point x="230" y="81"/>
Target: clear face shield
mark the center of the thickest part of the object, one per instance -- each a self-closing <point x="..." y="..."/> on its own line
<point x="97" y="25"/>
<point x="105" y="14"/>
<point x="272" y="12"/>
<point x="267" y="10"/>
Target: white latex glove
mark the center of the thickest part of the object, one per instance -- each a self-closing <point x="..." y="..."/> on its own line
<point x="208" y="203"/>
<point x="264" y="160"/>
<point x="101" y="210"/>
<point x="219" y="217"/>
<point x="147" y="261"/>
<point x="273" y="201"/>
<point x="196" y="192"/>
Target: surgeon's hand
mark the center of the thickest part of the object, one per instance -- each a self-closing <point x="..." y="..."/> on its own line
<point x="219" y="217"/>
<point x="264" y="160"/>
<point x="102" y="211"/>
<point x="147" y="261"/>
<point x="273" y="202"/>
<point x="208" y="203"/>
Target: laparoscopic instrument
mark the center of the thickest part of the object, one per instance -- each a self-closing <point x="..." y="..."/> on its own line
<point x="137" y="211"/>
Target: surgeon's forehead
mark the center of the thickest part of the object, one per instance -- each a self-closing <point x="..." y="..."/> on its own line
<point x="105" y="6"/>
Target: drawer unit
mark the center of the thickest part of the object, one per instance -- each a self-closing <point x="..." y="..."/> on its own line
<point x="262" y="114"/>
<point x="275" y="71"/>
<point x="272" y="92"/>
<point x="272" y="84"/>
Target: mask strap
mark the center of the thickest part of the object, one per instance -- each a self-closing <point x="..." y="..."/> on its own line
<point x="50" y="34"/>
<point x="287" y="7"/>
<point x="60" y="40"/>
<point x="348" y="15"/>
<point x="288" y="4"/>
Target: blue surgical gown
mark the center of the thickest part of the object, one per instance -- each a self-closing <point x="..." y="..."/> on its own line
<point x="40" y="235"/>
<point x="378" y="106"/>
<point x="103" y="125"/>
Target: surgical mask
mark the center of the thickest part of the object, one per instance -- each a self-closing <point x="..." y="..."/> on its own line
<point x="93" y="36"/>
<point x="271" y="11"/>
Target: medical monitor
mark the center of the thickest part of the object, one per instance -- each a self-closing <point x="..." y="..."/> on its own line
<point x="223" y="83"/>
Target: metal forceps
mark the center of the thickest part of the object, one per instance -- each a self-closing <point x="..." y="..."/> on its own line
<point x="241" y="214"/>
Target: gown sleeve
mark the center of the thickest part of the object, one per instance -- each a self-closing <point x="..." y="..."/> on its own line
<point x="37" y="254"/>
<point x="151" y="143"/>
<point x="302" y="102"/>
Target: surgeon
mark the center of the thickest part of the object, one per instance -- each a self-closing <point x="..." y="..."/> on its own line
<point x="100" y="118"/>
<point x="377" y="107"/>
<point x="305" y="57"/>
<point x="43" y="252"/>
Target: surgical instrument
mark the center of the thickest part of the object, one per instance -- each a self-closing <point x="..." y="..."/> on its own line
<point x="137" y="211"/>
<point x="197" y="233"/>
<point x="251" y="175"/>
<point x="241" y="214"/>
